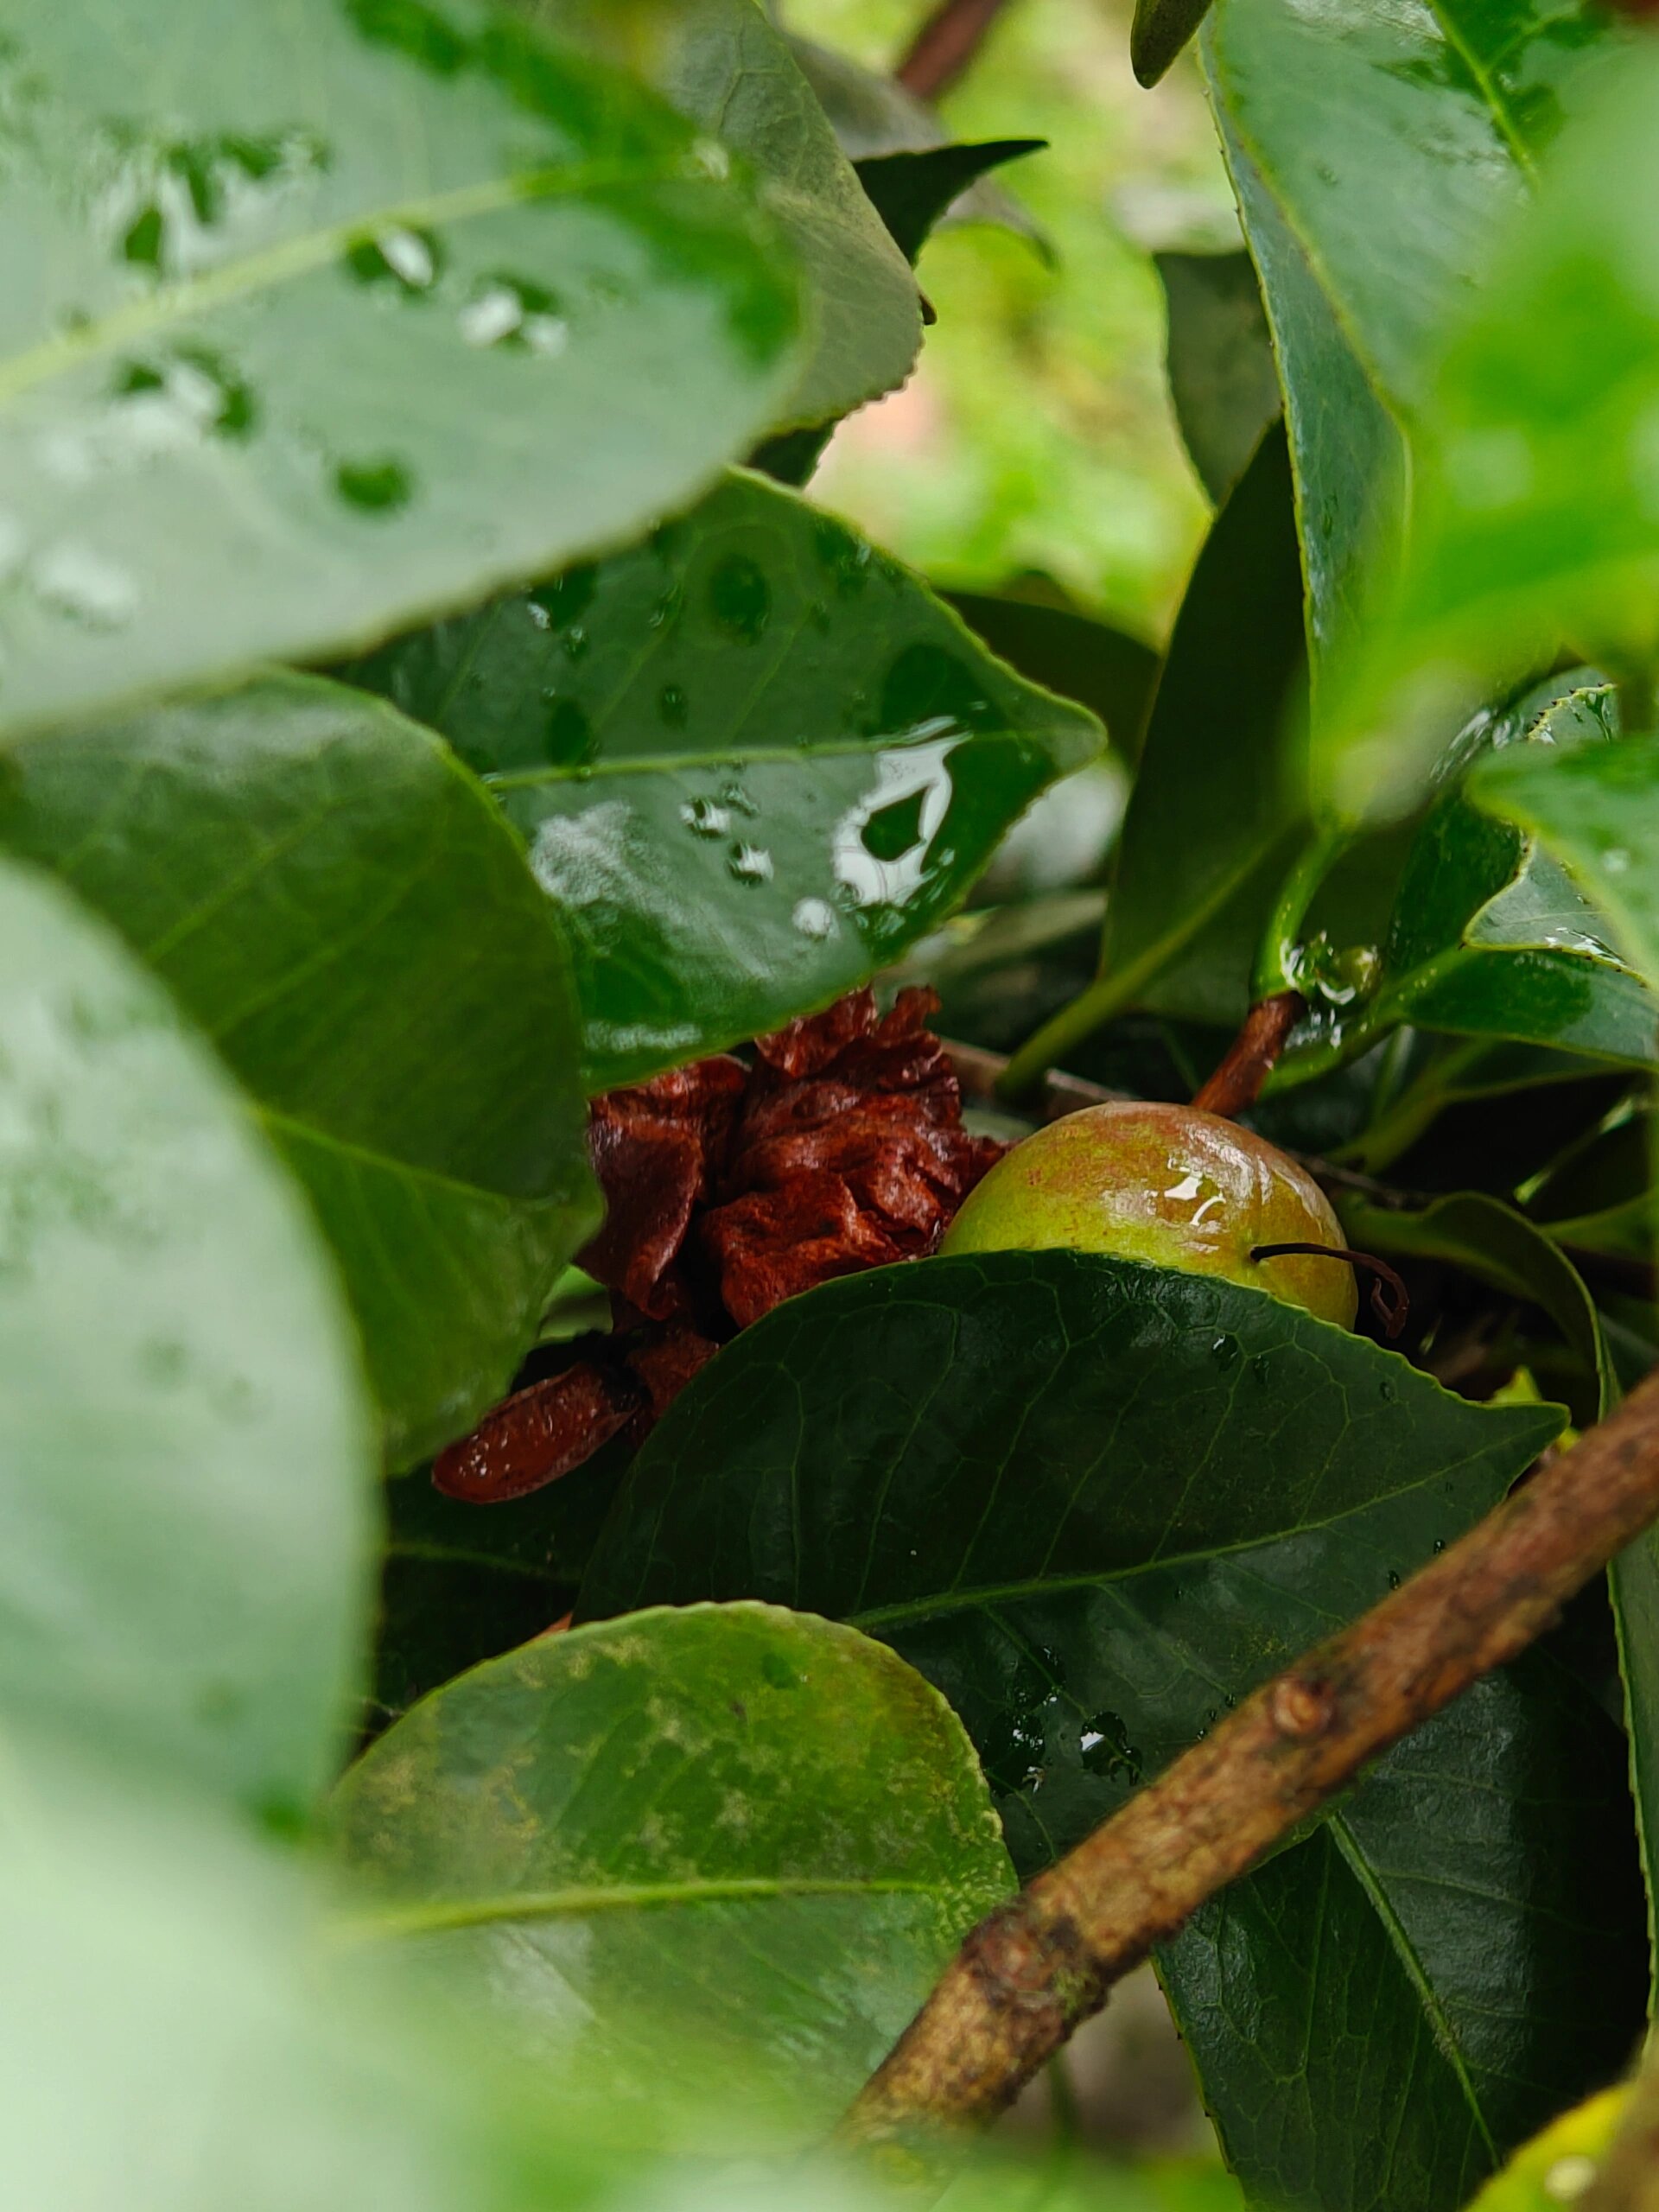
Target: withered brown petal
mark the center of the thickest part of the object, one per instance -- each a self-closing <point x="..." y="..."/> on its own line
<point x="656" y="1149"/>
<point x="538" y="1434"/>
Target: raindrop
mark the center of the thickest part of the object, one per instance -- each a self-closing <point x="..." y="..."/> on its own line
<point x="574" y="643"/>
<point x="1394" y="1578"/>
<point x="1105" y="1749"/>
<point x="666" y="609"/>
<point x="736" y="797"/>
<point x="555" y="605"/>
<point x="1388" y="1392"/>
<point x="1260" y="1368"/>
<point x="1616" y="859"/>
<point x="740" y="599"/>
<point x="1224" y="1352"/>
<point x="494" y="315"/>
<point x="706" y="819"/>
<point x="673" y="706"/>
<point x="374" y="487"/>
<point x="522" y="318"/>
<point x="1439" y="1544"/>
<point x="406" y="259"/>
<point x="751" y="864"/>
<point x="814" y="918"/>
<point x="569" y="734"/>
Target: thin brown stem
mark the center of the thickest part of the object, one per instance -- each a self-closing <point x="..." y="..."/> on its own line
<point x="946" y="43"/>
<point x="1041" y="1964"/>
<point x="1252" y="1055"/>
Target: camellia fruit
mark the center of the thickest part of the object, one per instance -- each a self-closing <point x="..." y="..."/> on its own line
<point x="1168" y="1185"/>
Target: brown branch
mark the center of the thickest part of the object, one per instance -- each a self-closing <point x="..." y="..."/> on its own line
<point x="946" y="43"/>
<point x="1042" y="1963"/>
<point x="1250" y="1059"/>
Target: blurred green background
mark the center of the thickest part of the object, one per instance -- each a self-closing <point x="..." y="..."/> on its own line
<point x="1037" y="432"/>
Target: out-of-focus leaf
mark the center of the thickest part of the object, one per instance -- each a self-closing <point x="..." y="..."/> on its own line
<point x="607" y="1821"/>
<point x="753" y="760"/>
<point x="1222" y="377"/>
<point x="1094" y="1502"/>
<point x="874" y="116"/>
<point x="1501" y="1247"/>
<point x="721" y="63"/>
<point x="1552" y="2169"/>
<point x="185" y="1445"/>
<point x="1600" y="1198"/>
<point x="1490" y="936"/>
<point x="336" y="903"/>
<point x="342" y="321"/>
<point x="1106" y="670"/>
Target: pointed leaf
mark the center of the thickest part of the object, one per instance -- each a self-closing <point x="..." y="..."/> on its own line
<point x="336" y="903"/>
<point x="1222" y="377"/>
<point x="723" y="65"/>
<point x="752" y="758"/>
<point x="340" y="322"/>
<point x="1160" y="30"/>
<point x="604" y="1822"/>
<point x="185" y="1461"/>
<point x="1109" y="671"/>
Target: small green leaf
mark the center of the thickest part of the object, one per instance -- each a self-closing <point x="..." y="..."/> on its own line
<point x="753" y="760"/>
<point x="185" y="1463"/>
<point x="686" y="1806"/>
<point x="913" y="191"/>
<point x="335" y="902"/>
<point x="1222" y="377"/>
<point x="1160" y="30"/>
<point x="341" y="322"/>
<point x="722" y="64"/>
<point x="1499" y="1246"/>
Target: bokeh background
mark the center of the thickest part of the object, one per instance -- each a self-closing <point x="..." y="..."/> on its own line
<point x="1037" y="432"/>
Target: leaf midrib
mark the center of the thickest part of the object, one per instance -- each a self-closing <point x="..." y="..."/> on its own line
<point x="745" y="756"/>
<point x="444" y="1914"/>
<point x="949" y="1601"/>
<point x="298" y="257"/>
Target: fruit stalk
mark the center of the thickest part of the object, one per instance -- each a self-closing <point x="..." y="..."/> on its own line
<point x="1252" y="1055"/>
<point x="1035" y="1969"/>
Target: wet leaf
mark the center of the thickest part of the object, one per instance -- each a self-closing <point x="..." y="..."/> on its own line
<point x="723" y="65"/>
<point x="1222" y="377"/>
<point x="752" y="758"/>
<point x="1491" y="937"/>
<point x="341" y="322"/>
<point x="1094" y="1503"/>
<point x="333" y="901"/>
<point x="680" y="1811"/>
<point x="1217" y="809"/>
<point x="185" y="1446"/>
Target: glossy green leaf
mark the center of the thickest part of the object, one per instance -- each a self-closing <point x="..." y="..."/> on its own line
<point x="721" y="63"/>
<point x="1394" y="143"/>
<point x="342" y="321"/>
<point x="1490" y="936"/>
<point x="1347" y="456"/>
<point x="1222" y="377"/>
<point x="1094" y="1503"/>
<point x="1218" y="808"/>
<point x="184" y="1442"/>
<point x="679" y="1816"/>
<point x="1501" y="1247"/>
<point x="1382" y="2012"/>
<point x="1596" y="809"/>
<point x="752" y="758"/>
<point x="1009" y="1496"/>
<point x="338" y="905"/>
<point x="1108" y="670"/>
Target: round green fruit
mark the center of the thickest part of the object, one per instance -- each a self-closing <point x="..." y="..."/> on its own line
<point x="1167" y="1185"/>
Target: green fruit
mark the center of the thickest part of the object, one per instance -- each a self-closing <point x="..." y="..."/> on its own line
<point x="1167" y="1185"/>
